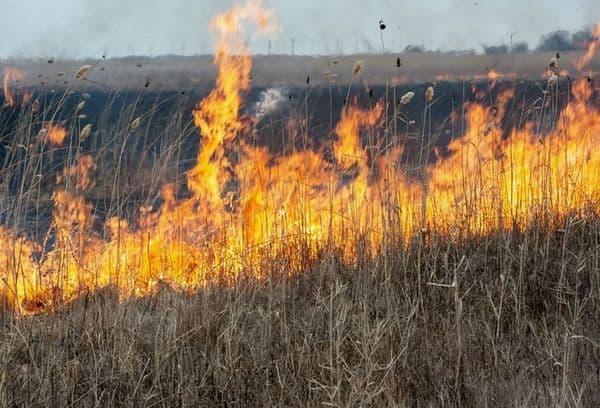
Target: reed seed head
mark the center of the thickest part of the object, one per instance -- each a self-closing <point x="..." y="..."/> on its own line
<point x="85" y="132"/>
<point x="82" y="71"/>
<point x="358" y="67"/>
<point x="136" y="123"/>
<point x="429" y="94"/>
<point x="406" y="98"/>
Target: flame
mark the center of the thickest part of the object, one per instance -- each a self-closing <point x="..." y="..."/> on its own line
<point x="492" y="76"/>
<point x="11" y="75"/>
<point x="249" y="213"/>
<point x="347" y="149"/>
<point x="53" y="134"/>
<point x="592" y="49"/>
<point x="217" y="115"/>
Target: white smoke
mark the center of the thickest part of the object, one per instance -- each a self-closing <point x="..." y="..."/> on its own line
<point x="80" y="28"/>
<point x="268" y="102"/>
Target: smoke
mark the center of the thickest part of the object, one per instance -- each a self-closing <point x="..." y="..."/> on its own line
<point x="268" y="102"/>
<point x="556" y="41"/>
<point x="79" y="28"/>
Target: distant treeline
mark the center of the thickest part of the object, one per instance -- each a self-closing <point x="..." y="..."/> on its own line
<point x="559" y="40"/>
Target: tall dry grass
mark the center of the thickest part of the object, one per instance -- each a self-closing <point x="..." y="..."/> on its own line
<point x="511" y="332"/>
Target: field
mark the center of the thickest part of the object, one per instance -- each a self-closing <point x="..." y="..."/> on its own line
<point x="175" y="73"/>
<point x="298" y="231"/>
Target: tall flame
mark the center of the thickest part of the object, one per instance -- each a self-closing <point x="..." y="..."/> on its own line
<point x="10" y="75"/>
<point x="591" y="51"/>
<point x="217" y="115"/>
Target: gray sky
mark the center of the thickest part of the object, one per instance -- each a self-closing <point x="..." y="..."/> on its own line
<point x="79" y="28"/>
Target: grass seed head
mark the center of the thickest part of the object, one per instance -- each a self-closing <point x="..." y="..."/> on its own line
<point x="358" y="67"/>
<point x="553" y="65"/>
<point x="429" y="94"/>
<point x="85" y="132"/>
<point x="406" y="98"/>
<point x="82" y="71"/>
<point x="136" y="123"/>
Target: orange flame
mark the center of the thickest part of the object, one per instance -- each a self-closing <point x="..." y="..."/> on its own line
<point x="53" y="134"/>
<point x="348" y="150"/>
<point x="217" y="115"/>
<point x="492" y="76"/>
<point x="591" y="51"/>
<point x="11" y="75"/>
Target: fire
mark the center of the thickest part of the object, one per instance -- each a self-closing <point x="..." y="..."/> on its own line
<point x="53" y="134"/>
<point x="492" y="76"/>
<point x="250" y="213"/>
<point x="489" y="181"/>
<point x="217" y="115"/>
<point x="11" y="75"/>
<point x="591" y="51"/>
<point x="348" y="150"/>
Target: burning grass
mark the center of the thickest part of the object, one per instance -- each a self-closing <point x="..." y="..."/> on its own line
<point x="244" y="204"/>
<point x="406" y="272"/>
<point x="518" y="328"/>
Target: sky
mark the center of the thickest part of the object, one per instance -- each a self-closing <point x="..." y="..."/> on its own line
<point x="88" y="28"/>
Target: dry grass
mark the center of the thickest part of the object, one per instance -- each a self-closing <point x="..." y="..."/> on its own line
<point x="337" y="335"/>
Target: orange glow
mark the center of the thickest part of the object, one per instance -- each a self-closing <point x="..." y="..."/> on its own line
<point x="11" y="75"/>
<point x="53" y="134"/>
<point x="492" y="75"/>
<point x="347" y="149"/>
<point x="250" y="213"/>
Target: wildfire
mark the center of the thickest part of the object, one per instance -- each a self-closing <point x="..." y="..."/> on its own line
<point x="11" y="75"/>
<point x="251" y="213"/>
<point x="591" y="51"/>
<point x="217" y="115"/>
<point x="53" y="134"/>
